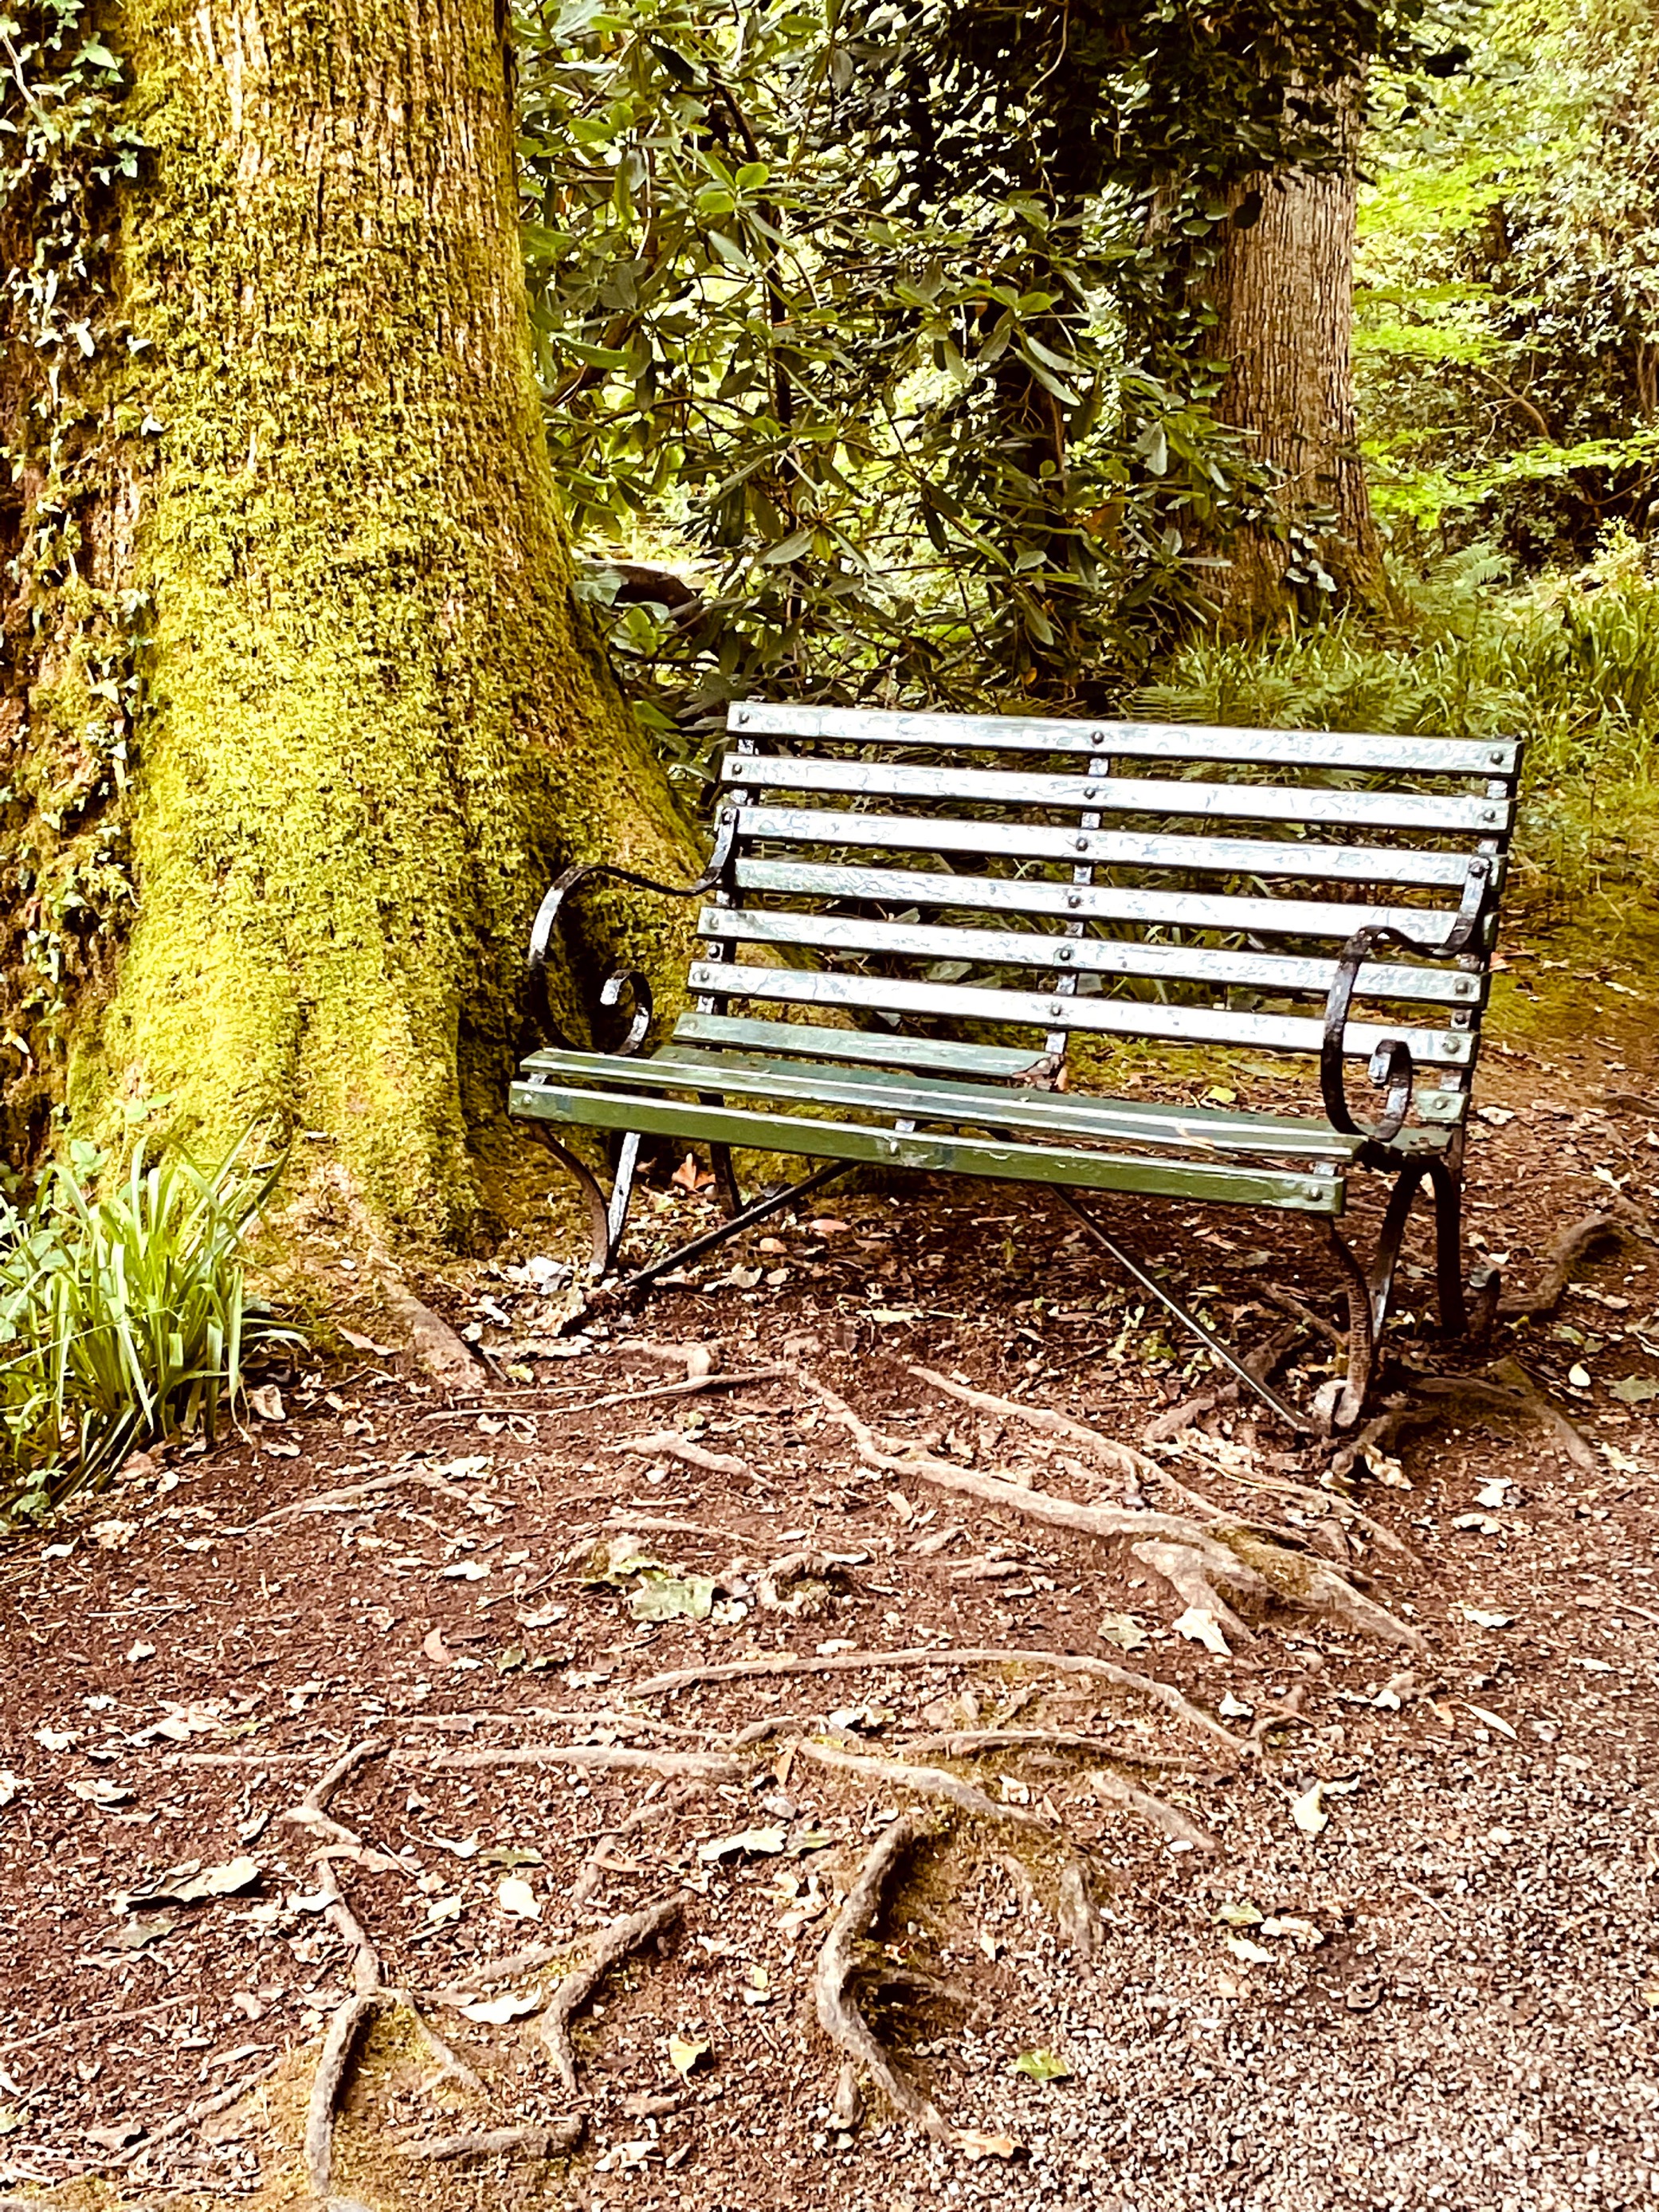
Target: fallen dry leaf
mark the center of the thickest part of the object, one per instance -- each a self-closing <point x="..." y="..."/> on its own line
<point x="1200" y="1626"/>
<point x="497" y="2011"/>
<point x="516" y="1896"/>
<point x="685" y="2054"/>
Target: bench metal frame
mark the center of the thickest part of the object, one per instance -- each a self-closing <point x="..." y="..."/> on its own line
<point x="1100" y="903"/>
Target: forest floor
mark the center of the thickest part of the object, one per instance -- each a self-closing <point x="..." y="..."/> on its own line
<point x="645" y="1686"/>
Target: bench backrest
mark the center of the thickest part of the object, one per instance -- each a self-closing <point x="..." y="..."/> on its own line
<point x="910" y="883"/>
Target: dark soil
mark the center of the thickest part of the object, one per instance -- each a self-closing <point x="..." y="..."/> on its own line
<point x="1446" y="1997"/>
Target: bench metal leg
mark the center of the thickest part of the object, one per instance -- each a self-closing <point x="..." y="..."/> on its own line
<point x="1187" y="1319"/>
<point x="599" y="1209"/>
<point x="725" y="1177"/>
<point x="622" y="1190"/>
<point x="734" y="1224"/>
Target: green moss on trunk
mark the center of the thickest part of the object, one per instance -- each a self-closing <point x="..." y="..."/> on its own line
<point x="374" y="725"/>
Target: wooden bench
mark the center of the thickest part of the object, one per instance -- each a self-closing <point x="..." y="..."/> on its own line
<point x="912" y="918"/>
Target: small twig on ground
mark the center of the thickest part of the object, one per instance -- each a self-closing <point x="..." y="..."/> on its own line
<point x="617" y="1941"/>
<point x="851" y="1662"/>
<point x="499" y="2142"/>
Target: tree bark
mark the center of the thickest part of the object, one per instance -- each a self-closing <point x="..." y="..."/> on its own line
<point x="1281" y="292"/>
<point x="372" y="725"/>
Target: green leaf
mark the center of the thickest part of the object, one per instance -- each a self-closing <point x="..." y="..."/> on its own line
<point x="1041" y="2066"/>
<point x="1634" y="1390"/>
<point x="670" y="1597"/>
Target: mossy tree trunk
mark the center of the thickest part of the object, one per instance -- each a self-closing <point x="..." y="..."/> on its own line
<point x="372" y="725"/>
<point x="1281" y="291"/>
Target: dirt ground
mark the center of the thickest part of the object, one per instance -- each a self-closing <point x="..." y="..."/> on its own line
<point x="1363" y="1918"/>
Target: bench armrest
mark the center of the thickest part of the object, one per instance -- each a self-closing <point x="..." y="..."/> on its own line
<point x="1391" y="1063"/>
<point x="547" y="915"/>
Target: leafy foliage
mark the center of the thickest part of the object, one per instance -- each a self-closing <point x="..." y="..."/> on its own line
<point x="124" y="1316"/>
<point x="894" y="319"/>
<point x="1574" y="665"/>
<point x="1507" y="324"/>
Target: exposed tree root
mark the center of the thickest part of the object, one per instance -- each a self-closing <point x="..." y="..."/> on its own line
<point x="1188" y="1571"/>
<point x="449" y="2062"/>
<point x="181" y="2123"/>
<point x="1327" y="1501"/>
<point x="673" y="1765"/>
<point x="1123" y="1458"/>
<point x="926" y="1781"/>
<point x="669" y="1444"/>
<point x="970" y="1743"/>
<point x="432" y="1340"/>
<point x="617" y="1941"/>
<point x="1221" y="1550"/>
<point x="1505" y="1394"/>
<point x="651" y="1807"/>
<point x="490" y="1972"/>
<point x="310" y="1811"/>
<point x="1261" y="1363"/>
<point x="538" y="2142"/>
<point x="1582" y="1240"/>
<point x="1113" y="1789"/>
<point x="838" y="2015"/>
<point x="327" y="2082"/>
<point x="852" y="1662"/>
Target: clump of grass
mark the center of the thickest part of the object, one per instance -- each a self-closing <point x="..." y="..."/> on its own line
<point x="125" y="1315"/>
<point x="1571" y="663"/>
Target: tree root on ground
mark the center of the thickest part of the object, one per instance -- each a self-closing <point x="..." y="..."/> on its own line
<point x="1156" y="1812"/>
<point x="1505" y="1394"/>
<point x="1598" y="1232"/>
<point x="1260" y="1363"/>
<point x="669" y="1444"/>
<point x="838" y="2015"/>
<point x="328" y="2084"/>
<point x="1189" y="1573"/>
<point x="1122" y="1459"/>
<point x="1327" y="1501"/>
<point x="926" y="1781"/>
<point x="673" y="1765"/>
<point x="970" y="1743"/>
<point x="617" y="1941"/>
<point x="538" y="2142"/>
<point x="852" y="1662"/>
<point x="651" y="1807"/>
<point x="1226" y="1551"/>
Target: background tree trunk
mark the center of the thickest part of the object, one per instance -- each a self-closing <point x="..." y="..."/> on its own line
<point x="1282" y="294"/>
<point x="372" y="725"/>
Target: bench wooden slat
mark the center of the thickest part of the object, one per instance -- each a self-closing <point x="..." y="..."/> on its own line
<point x="1220" y="911"/>
<point x="1112" y="1121"/>
<point x="1120" y="1017"/>
<point x="1274" y="971"/>
<point x="1105" y="848"/>
<point x="1425" y="812"/>
<point x="996" y="1062"/>
<point x="1314" y="748"/>
<point x="1213" y="1182"/>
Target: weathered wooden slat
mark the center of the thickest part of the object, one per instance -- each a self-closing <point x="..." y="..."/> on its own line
<point x="1105" y="848"/>
<point x="1426" y="813"/>
<point x="1221" y="912"/>
<point x="1189" y="1130"/>
<point x="1309" y="749"/>
<point x="992" y="1061"/>
<point x="1211" y="1181"/>
<point x="1119" y="1016"/>
<point x="1274" y="971"/>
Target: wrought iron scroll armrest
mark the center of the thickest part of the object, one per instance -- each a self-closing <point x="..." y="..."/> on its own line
<point x="1391" y="1065"/>
<point x="541" y="934"/>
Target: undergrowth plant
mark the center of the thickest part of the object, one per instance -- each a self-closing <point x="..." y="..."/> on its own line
<point x="124" y="1314"/>
<point x="1570" y="664"/>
